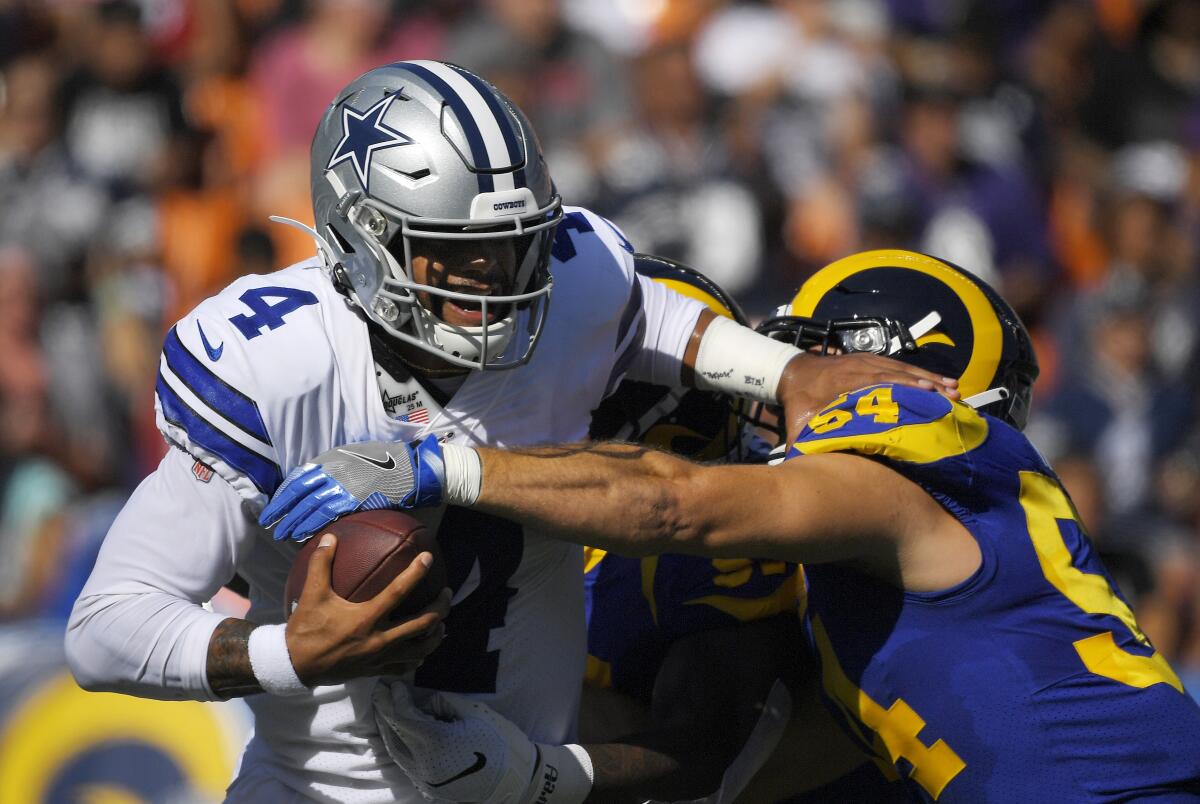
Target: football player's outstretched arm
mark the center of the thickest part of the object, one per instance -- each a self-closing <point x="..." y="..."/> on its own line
<point x="637" y="501"/>
<point x="139" y="628"/>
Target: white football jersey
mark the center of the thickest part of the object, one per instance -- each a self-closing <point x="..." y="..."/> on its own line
<point x="277" y="369"/>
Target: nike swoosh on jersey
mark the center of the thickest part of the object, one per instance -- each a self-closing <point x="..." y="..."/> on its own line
<point x="213" y="354"/>
<point x="385" y="465"/>
<point x="480" y="762"/>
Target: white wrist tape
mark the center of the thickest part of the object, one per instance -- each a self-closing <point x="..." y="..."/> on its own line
<point x="738" y="361"/>
<point x="271" y="662"/>
<point x="563" y="775"/>
<point x="464" y="474"/>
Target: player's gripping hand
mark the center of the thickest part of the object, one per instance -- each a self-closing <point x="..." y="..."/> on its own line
<point x="456" y="749"/>
<point x="355" y="477"/>
<point x="331" y="640"/>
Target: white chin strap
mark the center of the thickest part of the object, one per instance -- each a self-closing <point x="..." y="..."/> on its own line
<point x="631" y="431"/>
<point x="985" y="398"/>
<point x="918" y="329"/>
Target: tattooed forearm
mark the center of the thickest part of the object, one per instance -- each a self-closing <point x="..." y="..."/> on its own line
<point x="229" y="671"/>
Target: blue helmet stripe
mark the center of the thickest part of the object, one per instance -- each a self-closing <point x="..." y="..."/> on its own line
<point x="503" y="121"/>
<point x="463" y="114"/>
<point x="229" y="402"/>
<point x="263" y="473"/>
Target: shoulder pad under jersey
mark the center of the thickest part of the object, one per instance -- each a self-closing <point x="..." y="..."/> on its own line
<point x="579" y="224"/>
<point x="921" y="434"/>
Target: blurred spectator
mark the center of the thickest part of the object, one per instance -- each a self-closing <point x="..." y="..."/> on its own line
<point x="1116" y="409"/>
<point x="254" y="253"/>
<point x="48" y="206"/>
<point x="1172" y="614"/>
<point x="574" y="90"/>
<point x="984" y="214"/>
<point x="33" y="487"/>
<point x="1152" y="242"/>
<point x="666" y="180"/>
<point x="121" y="107"/>
<point x="131" y="294"/>
<point x="198" y="218"/>
<point x="1152" y="91"/>
<point x="295" y="74"/>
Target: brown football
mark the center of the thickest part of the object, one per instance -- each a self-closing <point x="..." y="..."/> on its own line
<point x="373" y="547"/>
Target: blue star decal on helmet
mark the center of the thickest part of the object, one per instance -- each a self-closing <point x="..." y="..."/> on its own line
<point x="364" y="133"/>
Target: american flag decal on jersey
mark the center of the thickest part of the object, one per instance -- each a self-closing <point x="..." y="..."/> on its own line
<point x="418" y="416"/>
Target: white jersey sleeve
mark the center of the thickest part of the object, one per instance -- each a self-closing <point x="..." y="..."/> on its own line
<point x="670" y="320"/>
<point x="138" y="626"/>
<point x="655" y="323"/>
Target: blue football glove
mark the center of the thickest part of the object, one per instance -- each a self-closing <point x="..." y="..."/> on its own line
<point x="355" y="477"/>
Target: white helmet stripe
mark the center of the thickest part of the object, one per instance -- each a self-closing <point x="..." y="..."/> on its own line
<point x="481" y="112"/>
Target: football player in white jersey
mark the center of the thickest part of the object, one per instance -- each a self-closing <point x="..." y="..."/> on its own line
<point x="444" y="258"/>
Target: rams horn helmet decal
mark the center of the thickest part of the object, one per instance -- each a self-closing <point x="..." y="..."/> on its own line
<point x="59" y="743"/>
<point x="923" y="311"/>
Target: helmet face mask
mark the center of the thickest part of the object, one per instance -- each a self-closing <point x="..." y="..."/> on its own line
<point x="922" y="311"/>
<point x="874" y="334"/>
<point x="424" y="151"/>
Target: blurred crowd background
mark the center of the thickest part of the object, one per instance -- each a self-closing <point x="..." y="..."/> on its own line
<point x="1051" y="146"/>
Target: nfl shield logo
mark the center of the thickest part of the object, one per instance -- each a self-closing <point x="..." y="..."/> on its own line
<point x="202" y="472"/>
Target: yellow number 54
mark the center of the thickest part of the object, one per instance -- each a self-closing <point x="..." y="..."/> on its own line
<point x="1045" y="503"/>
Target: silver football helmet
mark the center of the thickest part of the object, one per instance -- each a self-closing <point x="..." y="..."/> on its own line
<point x="427" y="150"/>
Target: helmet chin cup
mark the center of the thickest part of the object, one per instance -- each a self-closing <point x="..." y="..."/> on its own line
<point x="468" y="342"/>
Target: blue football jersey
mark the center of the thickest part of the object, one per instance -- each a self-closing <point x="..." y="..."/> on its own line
<point x="638" y="607"/>
<point x="1030" y="680"/>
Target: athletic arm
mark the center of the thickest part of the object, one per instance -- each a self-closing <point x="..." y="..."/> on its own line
<point x="637" y="501"/>
<point x="685" y="342"/>
<point x="138" y="626"/>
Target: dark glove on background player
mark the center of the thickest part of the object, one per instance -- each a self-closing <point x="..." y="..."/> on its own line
<point x="355" y="477"/>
